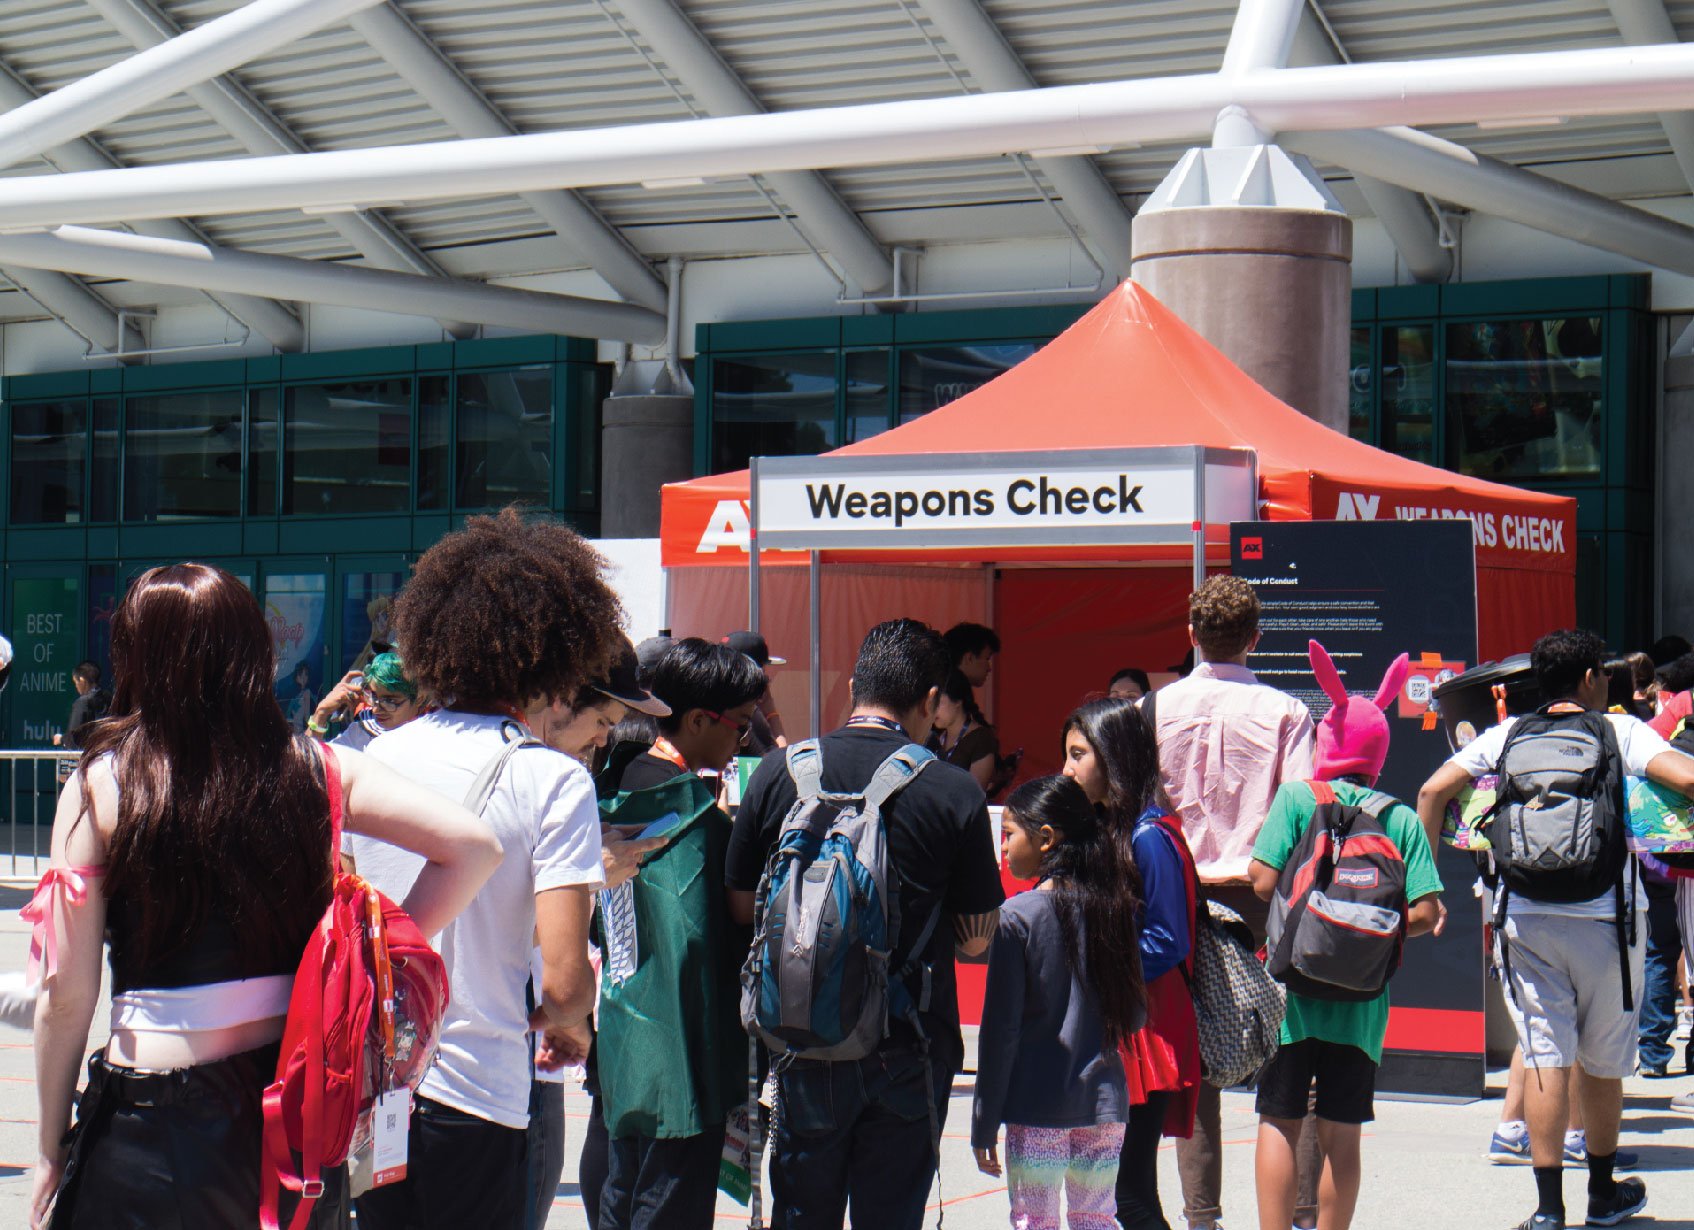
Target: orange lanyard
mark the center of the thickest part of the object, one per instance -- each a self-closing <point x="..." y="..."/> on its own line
<point x="664" y="749"/>
<point x="384" y="971"/>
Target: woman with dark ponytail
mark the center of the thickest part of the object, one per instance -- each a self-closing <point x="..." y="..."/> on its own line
<point x="1111" y="754"/>
<point x="1060" y="1007"/>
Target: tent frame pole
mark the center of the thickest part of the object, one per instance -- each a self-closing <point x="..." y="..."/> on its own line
<point x="814" y="631"/>
<point x="1199" y="519"/>
<point x="753" y="546"/>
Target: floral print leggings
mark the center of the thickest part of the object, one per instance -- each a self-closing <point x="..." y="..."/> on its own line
<point x="1081" y="1161"/>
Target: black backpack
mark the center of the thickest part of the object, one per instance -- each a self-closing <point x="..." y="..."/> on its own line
<point x="1558" y="827"/>
<point x="1337" y="925"/>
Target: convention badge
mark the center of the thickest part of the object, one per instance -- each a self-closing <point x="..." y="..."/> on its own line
<point x="392" y="1123"/>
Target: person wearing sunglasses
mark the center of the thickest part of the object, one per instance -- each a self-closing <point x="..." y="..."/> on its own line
<point x="671" y="1057"/>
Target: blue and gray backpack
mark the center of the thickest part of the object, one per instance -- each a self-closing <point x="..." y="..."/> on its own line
<point x="817" y="983"/>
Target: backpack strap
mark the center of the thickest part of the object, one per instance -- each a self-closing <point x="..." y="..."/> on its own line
<point x="1322" y="792"/>
<point x="482" y="789"/>
<point x="805" y="767"/>
<point x="896" y="773"/>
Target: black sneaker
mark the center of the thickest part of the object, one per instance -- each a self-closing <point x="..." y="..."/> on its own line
<point x="1541" y="1221"/>
<point x="1628" y="1200"/>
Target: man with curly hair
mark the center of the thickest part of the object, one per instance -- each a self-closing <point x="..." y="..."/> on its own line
<point x="1226" y="743"/>
<point x="507" y="616"/>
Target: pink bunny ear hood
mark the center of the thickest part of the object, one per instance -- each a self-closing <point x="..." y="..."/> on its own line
<point x="1352" y="739"/>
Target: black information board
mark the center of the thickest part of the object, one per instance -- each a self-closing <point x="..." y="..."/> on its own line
<point x="1369" y="591"/>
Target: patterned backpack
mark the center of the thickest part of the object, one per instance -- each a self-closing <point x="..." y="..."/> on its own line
<point x="1238" y="1006"/>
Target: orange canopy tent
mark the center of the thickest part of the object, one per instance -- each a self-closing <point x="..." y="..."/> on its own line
<point x="1128" y="374"/>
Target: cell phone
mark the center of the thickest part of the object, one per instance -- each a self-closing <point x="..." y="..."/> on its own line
<point x="357" y="680"/>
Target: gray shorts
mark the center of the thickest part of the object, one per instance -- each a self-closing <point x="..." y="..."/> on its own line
<point x="1566" y="993"/>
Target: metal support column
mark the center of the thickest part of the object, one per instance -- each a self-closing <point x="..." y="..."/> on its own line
<point x="814" y="629"/>
<point x="753" y="545"/>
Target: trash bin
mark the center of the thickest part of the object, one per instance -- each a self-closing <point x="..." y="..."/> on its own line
<point x="1466" y="702"/>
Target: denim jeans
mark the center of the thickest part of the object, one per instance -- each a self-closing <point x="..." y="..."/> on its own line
<point x="856" y="1134"/>
<point x="1658" y="995"/>
<point x="668" y="1184"/>
<point x="544" y="1149"/>
<point x="460" y="1171"/>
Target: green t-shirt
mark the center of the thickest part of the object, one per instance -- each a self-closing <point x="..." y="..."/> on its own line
<point x="1365" y="1023"/>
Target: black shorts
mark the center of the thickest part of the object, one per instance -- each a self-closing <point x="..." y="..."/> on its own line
<point x="1345" y="1076"/>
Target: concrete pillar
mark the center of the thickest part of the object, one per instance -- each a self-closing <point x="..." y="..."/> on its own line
<point x="645" y="442"/>
<point x="1270" y="287"/>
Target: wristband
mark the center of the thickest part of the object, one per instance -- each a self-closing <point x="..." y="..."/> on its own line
<point x="312" y="725"/>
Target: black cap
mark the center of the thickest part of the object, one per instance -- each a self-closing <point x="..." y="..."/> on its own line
<point x="753" y="645"/>
<point x="648" y="653"/>
<point x="623" y="683"/>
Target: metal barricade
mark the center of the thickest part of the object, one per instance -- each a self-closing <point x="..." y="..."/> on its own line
<point x="36" y="777"/>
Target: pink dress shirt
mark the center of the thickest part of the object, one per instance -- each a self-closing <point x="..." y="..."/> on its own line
<point x="1226" y="742"/>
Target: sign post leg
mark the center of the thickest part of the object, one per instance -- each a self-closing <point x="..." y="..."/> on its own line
<point x="814" y="617"/>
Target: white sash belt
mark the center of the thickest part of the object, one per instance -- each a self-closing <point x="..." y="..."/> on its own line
<point x="215" y="1005"/>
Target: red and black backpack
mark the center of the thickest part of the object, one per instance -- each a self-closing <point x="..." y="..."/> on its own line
<point x="1337" y="924"/>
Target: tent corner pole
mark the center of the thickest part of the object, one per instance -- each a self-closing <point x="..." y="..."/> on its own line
<point x="753" y="546"/>
<point x="814" y="634"/>
<point x="1200" y="517"/>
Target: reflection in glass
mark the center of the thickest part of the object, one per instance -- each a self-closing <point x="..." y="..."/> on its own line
<point x="103" y="463"/>
<point x="772" y="405"/>
<point x="367" y="608"/>
<point x="505" y="437"/>
<point x="182" y="456"/>
<point x="294" y="610"/>
<point x="49" y="445"/>
<point x="434" y="416"/>
<point x="348" y="447"/>
<point x="261" y="452"/>
<point x="868" y="402"/>
<point x="1359" y="386"/>
<point x="935" y="375"/>
<point x="1408" y="391"/>
<point x="1524" y="398"/>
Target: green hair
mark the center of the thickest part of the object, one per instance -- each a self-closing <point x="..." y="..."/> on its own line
<point x="386" y="670"/>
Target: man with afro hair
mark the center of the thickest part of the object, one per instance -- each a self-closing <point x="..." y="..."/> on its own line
<point x="507" y="616"/>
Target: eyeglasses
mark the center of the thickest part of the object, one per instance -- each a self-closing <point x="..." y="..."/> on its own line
<point x="388" y="703"/>
<point x="741" y="728"/>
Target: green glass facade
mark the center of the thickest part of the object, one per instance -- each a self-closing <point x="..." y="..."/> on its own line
<point x="1546" y="384"/>
<point x="315" y="478"/>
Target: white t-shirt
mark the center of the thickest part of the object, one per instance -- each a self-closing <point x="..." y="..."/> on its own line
<point x="1638" y="744"/>
<point x="544" y="813"/>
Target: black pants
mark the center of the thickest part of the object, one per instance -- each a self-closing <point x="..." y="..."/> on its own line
<point x="460" y="1171"/>
<point x="176" y="1150"/>
<point x="661" y="1184"/>
<point x="858" y="1134"/>
<point x="1138" y="1166"/>
<point x="596" y="1159"/>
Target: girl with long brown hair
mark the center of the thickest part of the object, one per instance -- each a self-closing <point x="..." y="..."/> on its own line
<point x="195" y="837"/>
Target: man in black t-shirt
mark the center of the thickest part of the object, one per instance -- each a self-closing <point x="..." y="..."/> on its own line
<point x="859" y="1131"/>
<point x="91" y="703"/>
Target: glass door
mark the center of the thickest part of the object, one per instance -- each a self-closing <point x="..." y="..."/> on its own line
<point x="295" y="597"/>
<point x="365" y="589"/>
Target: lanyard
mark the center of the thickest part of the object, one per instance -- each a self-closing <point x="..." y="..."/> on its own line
<point x="664" y="749"/>
<point x="878" y="723"/>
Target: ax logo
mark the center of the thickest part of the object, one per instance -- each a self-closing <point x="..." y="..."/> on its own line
<point x="1356" y="506"/>
<point x="1252" y="548"/>
<point x="728" y="526"/>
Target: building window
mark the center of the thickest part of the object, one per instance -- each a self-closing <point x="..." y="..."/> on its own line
<point x="868" y="394"/>
<point x="1524" y="398"/>
<point x="772" y="405"/>
<point x="1408" y="391"/>
<point x="49" y="451"/>
<point x="1359" y="386"/>
<point x="933" y="376"/>
<point x="104" y="473"/>
<point x="182" y="456"/>
<point x="505" y="437"/>
<point x="367" y="616"/>
<point x="348" y="447"/>
<point x="261" y="451"/>
<point x="435" y="415"/>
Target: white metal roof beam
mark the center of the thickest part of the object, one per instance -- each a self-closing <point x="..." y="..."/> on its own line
<point x="1601" y="81"/>
<point x="162" y="70"/>
<point x="1424" y="163"/>
<point x="272" y="320"/>
<point x="440" y="84"/>
<point x="76" y="307"/>
<point x="1259" y="38"/>
<point x="1645" y="23"/>
<point x="1403" y="214"/>
<point x="115" y="254"/>
<point x="1094" y="203"/>
<point x="819" y="212"/>
<point x="250" y="122"/>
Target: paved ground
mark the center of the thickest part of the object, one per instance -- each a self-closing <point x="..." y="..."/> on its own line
<point x="1423" y="1162"/>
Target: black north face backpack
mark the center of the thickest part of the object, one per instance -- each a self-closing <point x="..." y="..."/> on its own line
<point x="1337" y="923"/>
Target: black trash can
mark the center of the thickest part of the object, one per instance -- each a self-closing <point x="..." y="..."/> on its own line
<point x="1466" y="702"/>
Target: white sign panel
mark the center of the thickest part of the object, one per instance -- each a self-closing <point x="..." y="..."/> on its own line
<point x="1129" y="496"/>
